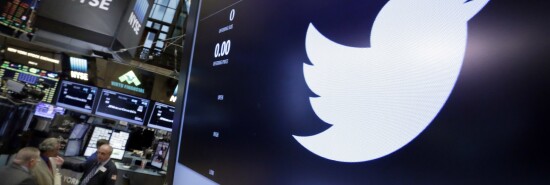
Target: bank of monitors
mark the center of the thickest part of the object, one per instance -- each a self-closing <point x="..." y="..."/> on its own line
<point x="41" y="80"/>
<point x="76" y="96"/>
<point x="162" y="117"/>
<point x="46" y="110"/>
<point x="122" y="107"/>
<point x="160" y="155"/>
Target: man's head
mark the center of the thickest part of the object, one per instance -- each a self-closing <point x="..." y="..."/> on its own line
<point x="101" y="142"/>
<point x="50" y="147"/>
<point x="104" y="153"/>
<point x="27" y="157"/>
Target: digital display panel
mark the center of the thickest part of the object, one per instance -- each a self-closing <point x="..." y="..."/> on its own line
<point x="99" y="133"/>
<point x="118" y="142"/>
<point x="76" y="96"/>
<point x="18" y="14"/>
<point x="162" y="117"/>
<point x="79" y="68"/>
<point x="365" y="92"/>
<point x="160" y="154"/>
<point x="122" y="107"/>
<point x="47" y="110"/>
<point x="78" y="132"/>
<point x="41" y="80"/>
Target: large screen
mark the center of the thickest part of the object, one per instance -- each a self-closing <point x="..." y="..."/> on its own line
<point x="162" y="117"/>
<point x="47" y="110"/>
<point x="42" y="80"/>
<point x="365" y="92"/>
<point x="122" y="107"/>
<point x="76" y="96"/>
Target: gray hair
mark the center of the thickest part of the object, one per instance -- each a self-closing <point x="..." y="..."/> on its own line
<point x="26" y="154"/>
<point x="49" y="144"/>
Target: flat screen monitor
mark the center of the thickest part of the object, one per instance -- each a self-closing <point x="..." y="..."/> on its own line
<point x="73" y="148"/>
<point x="46" y="110"/>
<point x="122" y="107"/>
<point x="162" y="117"/>
<point x="42" y="80"/>
<point x="78" y="132"/>
<point x="118" y="142"/>
<point x="365" y="92"/>
<point x="76" y="96"/>
<point x="99" y="133"/>
<point x="160" y="154"/>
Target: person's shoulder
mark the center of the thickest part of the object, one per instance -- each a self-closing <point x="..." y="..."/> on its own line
<point x="111" y="165"/>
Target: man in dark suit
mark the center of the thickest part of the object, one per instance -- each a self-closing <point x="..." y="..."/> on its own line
<point x="18" y="172"/>
<point x="101" y="171"/>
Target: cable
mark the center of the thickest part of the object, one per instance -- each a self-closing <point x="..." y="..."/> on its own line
<point x="126" y="49"/>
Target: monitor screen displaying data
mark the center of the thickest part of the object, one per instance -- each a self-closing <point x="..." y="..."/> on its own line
<point x="46" y="110"/>
<point x="364" y="92"/>
<point x="42" y="80"/>
<point x="99" y="133"/>
<point x="76" y="96"/>
<point x="162" y="117"/>
<point x="122" y="107"/>
<point x="118" y="142"/>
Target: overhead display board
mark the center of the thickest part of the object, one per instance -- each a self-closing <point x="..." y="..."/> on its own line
<point x="122" y="107"/>
<point x="364" y="92"/>
<point x="77" y="96"/>
<point x="18" y="14"/>
<point x="162" y="117"/>
<point x="42" y="80"/>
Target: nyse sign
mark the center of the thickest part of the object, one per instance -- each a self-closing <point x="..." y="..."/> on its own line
<point x="79" y="75"/>
<point x="134" y="23"/>
<point x="101" y="4"/>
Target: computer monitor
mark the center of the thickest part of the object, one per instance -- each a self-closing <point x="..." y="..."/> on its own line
<point x="122" y="107"/>
<point x="97" y="134"/>
<point x="118" y="142"/>
<point x="46" y="110"/>
<point x="75" y="96"/>
<point x="162" y="117"/>
<point x="160" y="154"/>
<point x="79" y="130"/>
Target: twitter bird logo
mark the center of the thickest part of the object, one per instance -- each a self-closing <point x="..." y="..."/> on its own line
<point x="378" y="99"/>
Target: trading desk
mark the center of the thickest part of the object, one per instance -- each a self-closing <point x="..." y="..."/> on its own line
<point x="126" y="175"/>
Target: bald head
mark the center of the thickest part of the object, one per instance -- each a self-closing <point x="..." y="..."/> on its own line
<point x="26" y="156"/>
<point x="104" y="152"/>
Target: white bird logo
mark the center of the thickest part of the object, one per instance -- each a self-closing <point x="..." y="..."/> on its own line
<point x="378" y="99"/>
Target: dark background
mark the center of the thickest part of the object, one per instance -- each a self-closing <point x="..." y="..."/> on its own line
<point x="492" y="129"/>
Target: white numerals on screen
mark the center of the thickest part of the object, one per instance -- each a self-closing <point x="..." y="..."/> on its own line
<point x="222" y="49"/>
